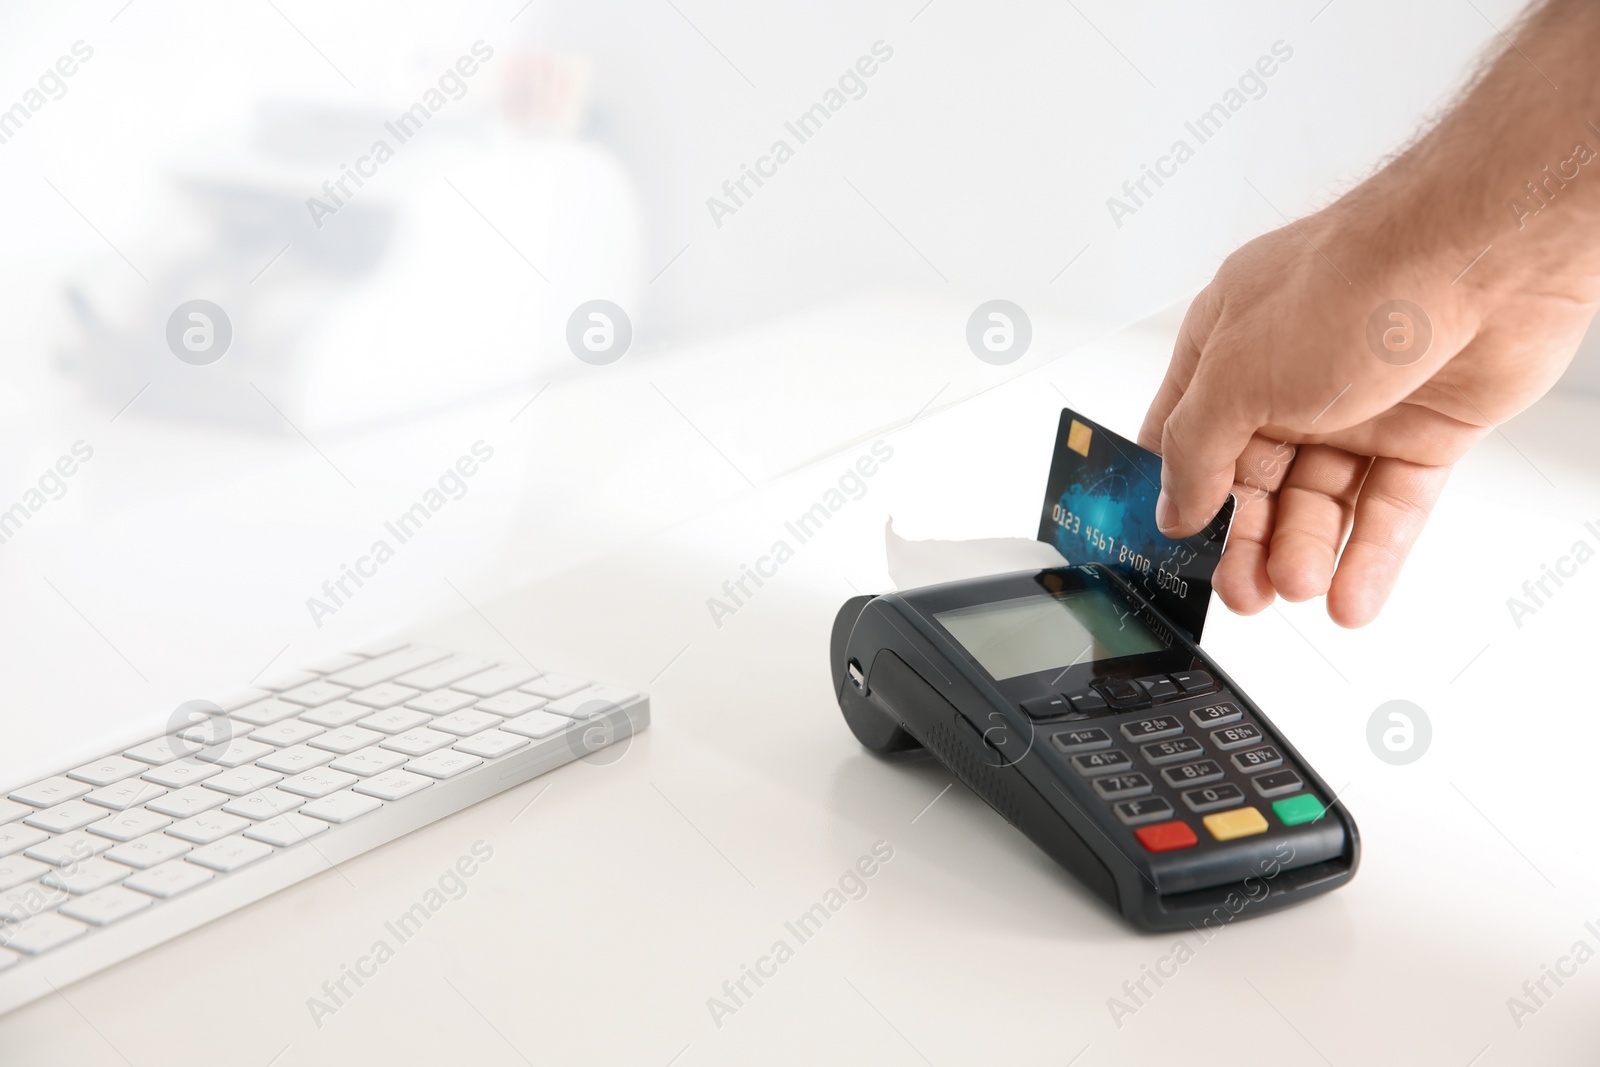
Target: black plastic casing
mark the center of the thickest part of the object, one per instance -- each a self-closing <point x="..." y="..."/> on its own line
<point x="919" y="687"/>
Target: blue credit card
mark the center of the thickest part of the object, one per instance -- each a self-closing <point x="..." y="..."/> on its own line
<point x="1100" y="507"/>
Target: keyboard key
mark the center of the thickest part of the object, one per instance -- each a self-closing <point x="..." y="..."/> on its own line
<point x="10" y="809"/>
<point x="1227" y="825"/>
<point x="73" y="815"/>
<point x="296" y="759"/>
<point x="1194" y="682"/>
<point x="393" y="785"/>
<point x="149" y="850"/>
<point x="1090" y="764"/>
<point x="1161" y="752"/>
<point x="288" y="732"/>
<point x="465" y="722"/>
<point x="126" y="794"/>
<point x="183" y="773"/>
<point x="1159" y="687"/>
<point x="1123" y="693"/>
<point x="491" y="743"/>
<point x="318" y="783"/>
<point x="208" y="827"/>
<point x="127" y="825"/>
<point x="372" y="760"/>
<point x="109" y="770"/>
<point x="315" y="694"/>
<point x="1212" y="797"/>
<point x="418" y="743"/>
<point x="386" y="668"/>
<point x="446" y="764"/>
<point x="344" y="740"/>
<point x="442" y="702"/>
<point x="554" y="686"/>
<point x="1049" y="706"/>
<point x="341" y="807"/>
<point x="1122" y="786"/>
<point x="229" y="854"/>
<point x="51" y="791"/>
<point x="106" y="906"/>
<point x="235" y="753"/>
<point x="41" y="933"/>
<point x="1087" y="702"/>
<point x="30" y="898"/>
<point x="339" y="713"/>
<point x="168" y="879"/>
<point x="1265" y="758"/>
<point x="1081" y="740"/>
<point x="69" y="816"/>
<point x="16" y="837"/>
<point x="213" y="731"/>
<point x="1216" y="714"/>
<point x="278" y="683"/>
<point x="335" y="664"/>
<point x="191" y="800"/>
<point x="242" y="698"/>
<point x="441" y="674"/>
<point x="1277" y="783"/>
<point x="266" y="712"/>
<point x="1236" y="736"/>
<point x="593" y="701"/>
<point x="537" y="724"/>
<point x="495" y="680"/>
<point x="1166" y="837"/>
<point x="1146" y="809"/>
<point x="264" y="805"/>
<point x="18" y="869"/>
<point x="510" y="705"/>
<point x="68" y="848"/>
<point x="1197" y="773"/>
<point x="384" y="695"/>
<point x="1152" y="729"/>
<point x="395" y="720"/>
<point x="86" y="876"/>
<point x="242" y="780"/>
<point x="1296" y="810"/>
<point x="161" y="751"/>
<point x="286" y="830"/>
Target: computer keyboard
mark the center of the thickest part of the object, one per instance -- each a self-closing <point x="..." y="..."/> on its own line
<point x="277" y="784"/>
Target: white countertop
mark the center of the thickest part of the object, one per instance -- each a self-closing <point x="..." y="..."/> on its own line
<point x="623" y="892"/>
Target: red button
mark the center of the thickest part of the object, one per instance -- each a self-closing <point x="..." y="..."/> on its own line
<point x="1164" y="837"/>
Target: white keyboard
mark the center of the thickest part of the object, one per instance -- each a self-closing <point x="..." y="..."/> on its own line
<point x="277" y="784"/>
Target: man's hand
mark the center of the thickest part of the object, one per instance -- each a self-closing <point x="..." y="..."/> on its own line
<point x="1335" y="369"/>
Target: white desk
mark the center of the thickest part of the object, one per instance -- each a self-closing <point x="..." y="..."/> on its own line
<point x="622" y="895"/>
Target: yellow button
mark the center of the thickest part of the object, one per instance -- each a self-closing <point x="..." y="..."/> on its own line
<point x="1241" y="822"/>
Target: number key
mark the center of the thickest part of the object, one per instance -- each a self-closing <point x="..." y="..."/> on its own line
<point x="1090" y="764"/>
<point x="1235" y="736"/>
<point x="1171" y="751"/>
<point x="1152" y="729"/>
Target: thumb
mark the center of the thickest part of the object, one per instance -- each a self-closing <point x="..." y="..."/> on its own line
<point x="1200" y="447"/>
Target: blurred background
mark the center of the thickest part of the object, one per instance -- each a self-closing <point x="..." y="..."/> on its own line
<point x="397" y="214"/>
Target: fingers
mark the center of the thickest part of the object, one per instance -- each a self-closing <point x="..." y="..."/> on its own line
<point x="1315" y="507"/>
<point x="1197" y="324"/>
<point x="1201" y="443"/>
<point x="1241" y="579"/>
<point x="1394" y="504"/>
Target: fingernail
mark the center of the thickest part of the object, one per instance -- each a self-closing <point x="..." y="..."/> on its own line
<point x="1166" y="511"/>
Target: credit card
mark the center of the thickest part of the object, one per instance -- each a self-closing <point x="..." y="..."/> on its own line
<point x="1100" y="507"/>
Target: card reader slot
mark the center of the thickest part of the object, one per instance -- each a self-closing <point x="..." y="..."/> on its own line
<point x="924" y="712"/>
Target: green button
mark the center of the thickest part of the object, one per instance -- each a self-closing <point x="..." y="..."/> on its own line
<point x="1296" y="810"/>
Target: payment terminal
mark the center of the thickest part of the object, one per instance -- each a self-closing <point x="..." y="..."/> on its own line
<point x="1067" y="702"/>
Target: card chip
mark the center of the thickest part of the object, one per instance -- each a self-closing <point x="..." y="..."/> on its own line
<point x="1078" y="438"/>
